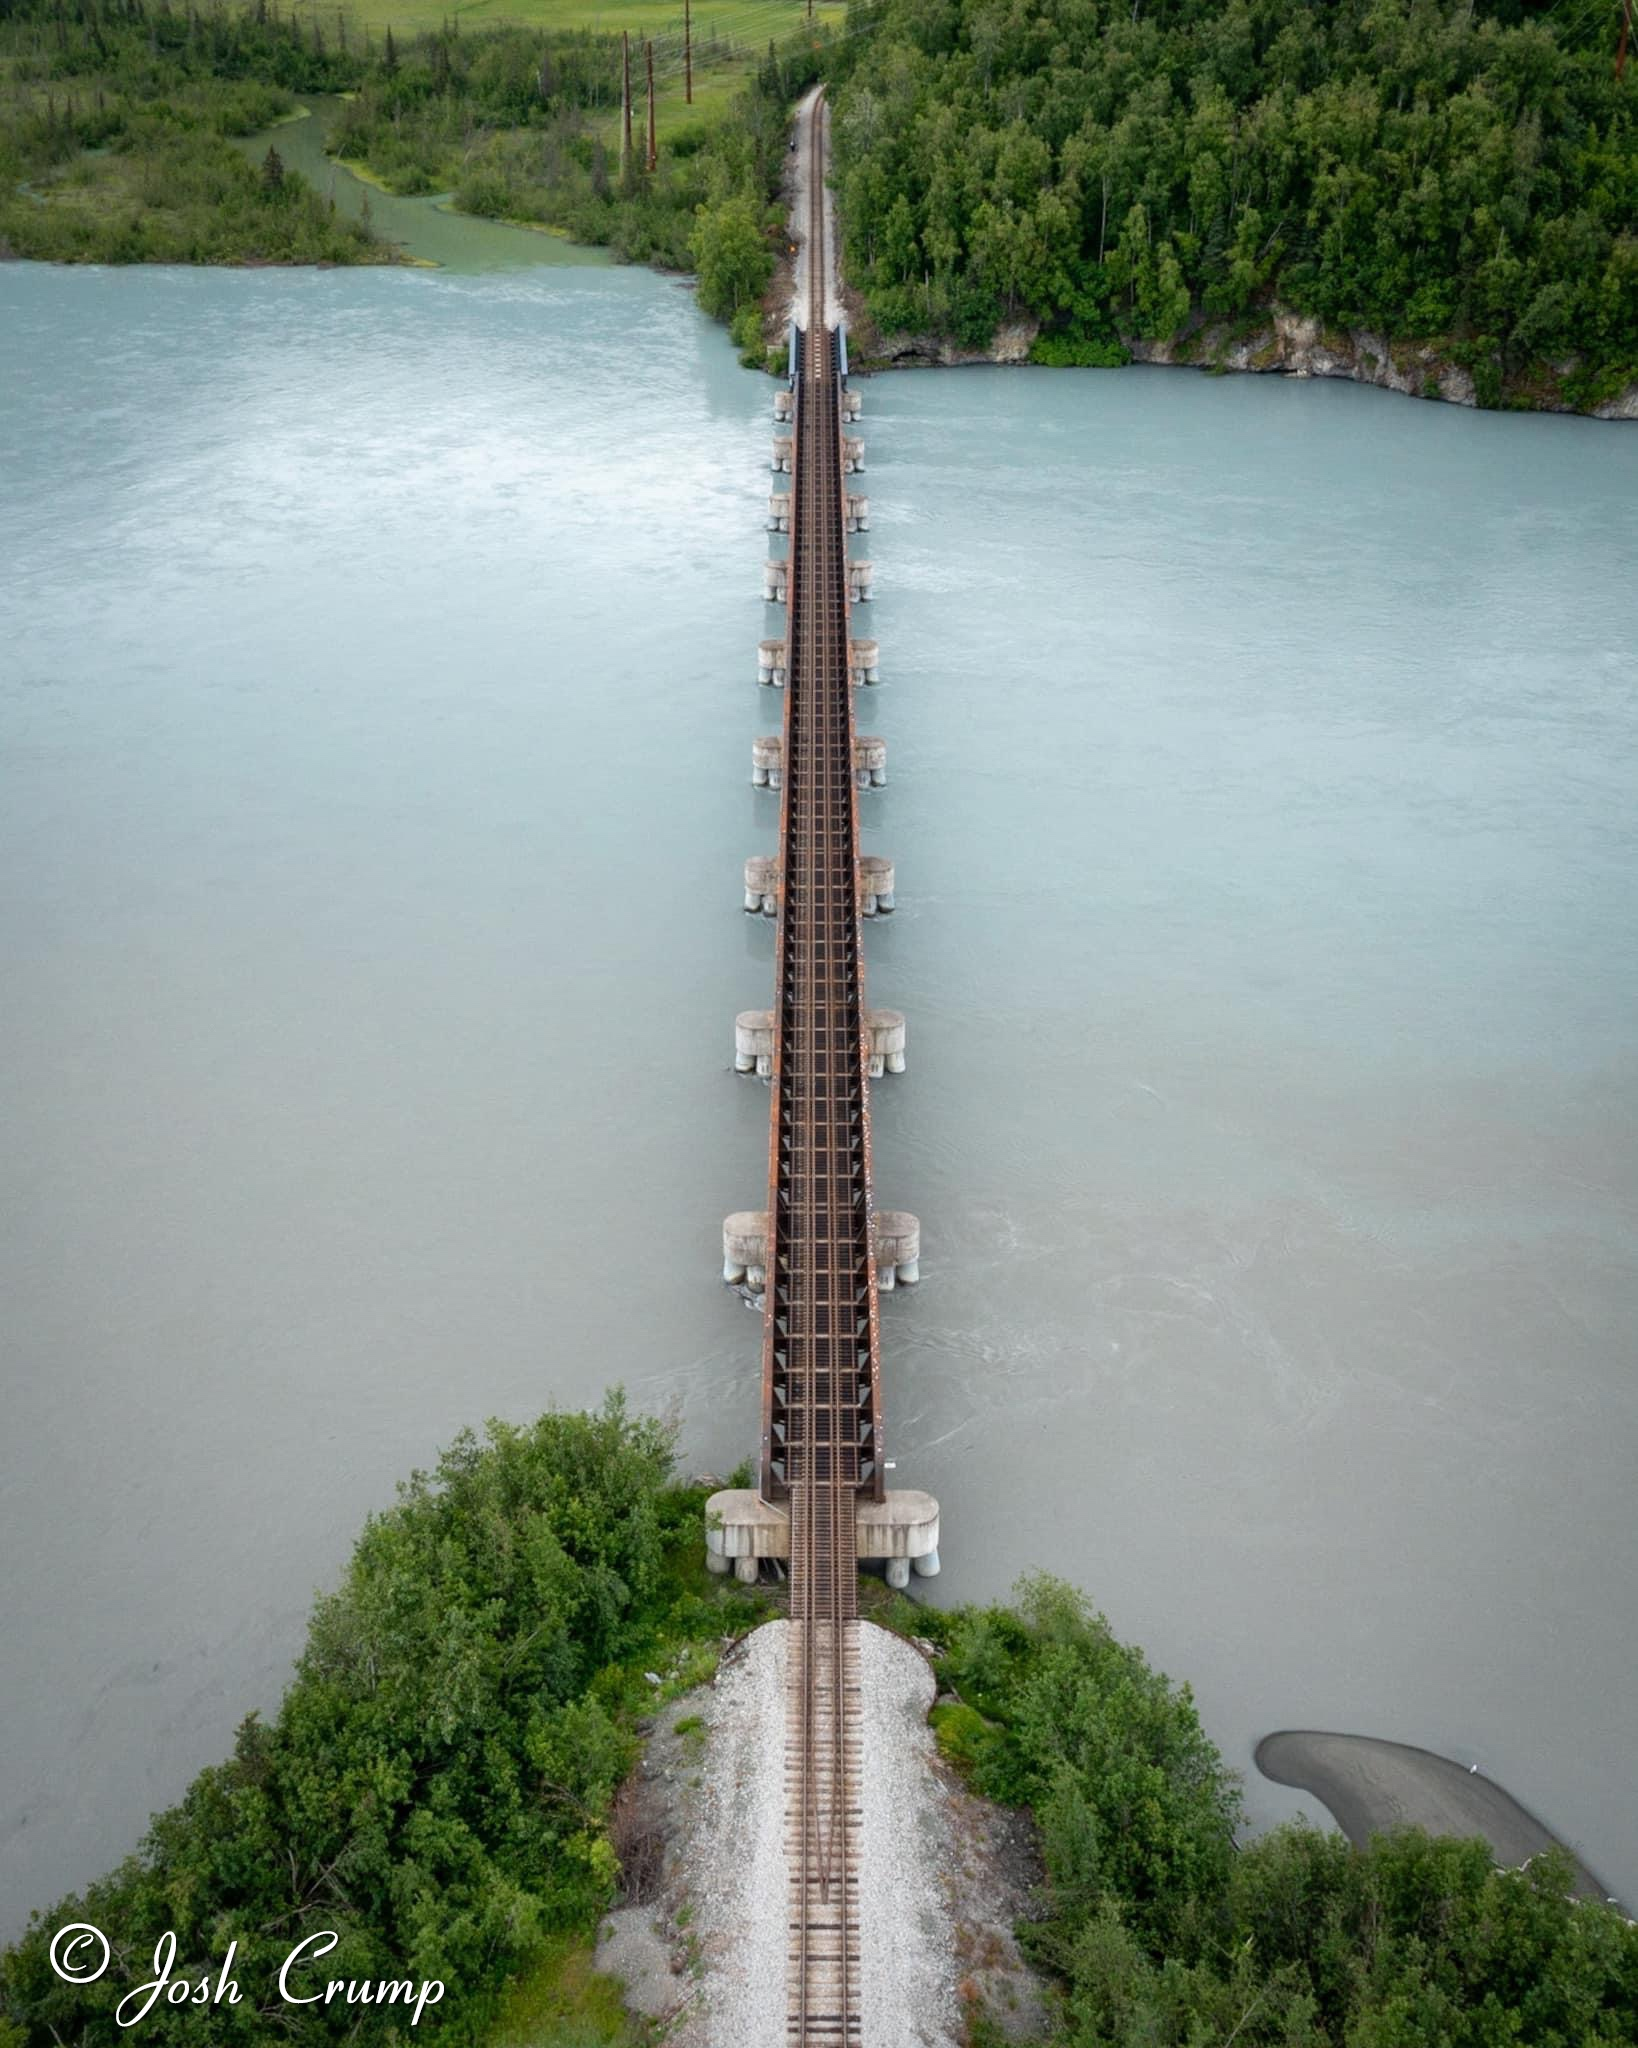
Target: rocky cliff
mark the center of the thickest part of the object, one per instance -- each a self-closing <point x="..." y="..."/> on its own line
<point x="1287" y="344"/>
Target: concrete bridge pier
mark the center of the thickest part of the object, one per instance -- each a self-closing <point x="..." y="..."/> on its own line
<point x="886" y="1032"/>
<point x="875" y="885"/>
<point x="858" y="581"/>
<point x="898" y="1248"/>
<point x="745" y="1247"/>
<point x="863" y="664"/>
<point x="869" y="761"/>
<point x="782" y="453"/>
<point x="768" y="761"/>
<point x="852" y="403"/>
<point x="754" y="1043"/>
<point x="853" y="452"/>
<point x="762" y="884"/>
<point x="858" y="514"/>
<point x="779" y="512"/>
<point x="784" y="405"/>
<point x="770" y="664"/>
<point x="776" y="580"/>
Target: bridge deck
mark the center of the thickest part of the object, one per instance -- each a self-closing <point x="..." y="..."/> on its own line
<point x="821" y="1374"/>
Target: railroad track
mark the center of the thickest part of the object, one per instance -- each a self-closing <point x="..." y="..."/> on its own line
<point x="820" y="1330"/>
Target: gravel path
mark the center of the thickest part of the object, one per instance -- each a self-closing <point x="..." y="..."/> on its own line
<point x="799" y="183"/>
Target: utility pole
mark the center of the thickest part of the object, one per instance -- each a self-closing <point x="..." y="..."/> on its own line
<point x="652" y="155"/>
<point x="688" y="52"/>
<point x="625" y="99"/>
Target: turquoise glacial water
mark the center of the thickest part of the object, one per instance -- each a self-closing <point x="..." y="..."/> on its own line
<point x="376" y="705"/>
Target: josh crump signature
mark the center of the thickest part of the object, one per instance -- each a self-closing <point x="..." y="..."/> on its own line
<point x="80" y="1953"/>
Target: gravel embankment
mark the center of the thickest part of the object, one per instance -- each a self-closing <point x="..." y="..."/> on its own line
<point x="942" y="1877"/>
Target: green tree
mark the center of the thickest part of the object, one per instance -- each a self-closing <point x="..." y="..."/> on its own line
<point x="731" y="255"/>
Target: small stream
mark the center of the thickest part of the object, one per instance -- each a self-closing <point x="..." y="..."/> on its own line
<point x="428" y="229"/>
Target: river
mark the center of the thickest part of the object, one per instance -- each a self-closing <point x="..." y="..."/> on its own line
<point x="374" y="783"/>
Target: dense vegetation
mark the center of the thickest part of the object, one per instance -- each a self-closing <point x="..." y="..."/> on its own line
<point x="114" y="119"/>
<point x="1162" y="1936"/>
<point x="1440" y="169"/>
<point x="437" y="1782"/>
<point x="115" y="114"/>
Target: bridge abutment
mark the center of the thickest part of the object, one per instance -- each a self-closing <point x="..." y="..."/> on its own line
<point x="900" y="1531"/>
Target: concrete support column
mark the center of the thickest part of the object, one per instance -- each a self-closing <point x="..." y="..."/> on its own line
<point x="779" y="512"/>
<point x="745" y="1247"/>
<point x="875" y="885"/>
<point x="768" y="761"/>
<point x="770" y="664"/>
<point x="898" y="1248"/>
<point x="754" y="1042"/>
<point x="784" y="406"/>
<point x="885" y="1029"/>
<point x="852" y="404"/>
<point x="782" y="453"/>
<point x="869" y="761"/>
<point x="853" y="461"/>
<point x="858" y="514"/>
<point x="762" y="884"/>
<point x="858" y="581"/>
<point x="776" y="581"/>
<point x="863" y="663"/>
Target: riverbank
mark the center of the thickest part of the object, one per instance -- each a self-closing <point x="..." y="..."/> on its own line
<point x="1371" y="1787"/>
<point x="1277" y="342"/>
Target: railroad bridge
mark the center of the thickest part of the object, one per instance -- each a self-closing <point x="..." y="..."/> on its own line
<point x="820" y="1253"/>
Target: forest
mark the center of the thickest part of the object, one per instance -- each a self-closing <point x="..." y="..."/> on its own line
<point x="1115" y="170"/>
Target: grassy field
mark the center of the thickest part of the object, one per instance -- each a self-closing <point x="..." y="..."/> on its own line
<point x="740" y="21"/>
<point x="728" y="35"/>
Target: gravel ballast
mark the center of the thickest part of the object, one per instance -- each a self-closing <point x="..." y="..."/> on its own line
<point x="942" y="1876"/>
